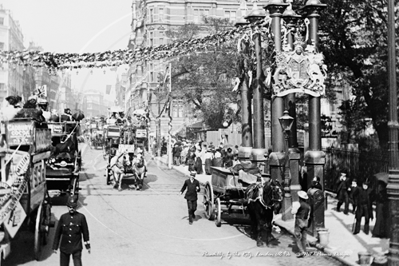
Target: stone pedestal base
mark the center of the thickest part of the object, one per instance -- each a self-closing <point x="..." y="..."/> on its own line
<point x="244" y="153"/>
<point x="295" y="186"/>
<point x="315" y="161"/>
<point x="276" y="159"/>
<point x="393" y="196"/>
<point x="258" y="157"/>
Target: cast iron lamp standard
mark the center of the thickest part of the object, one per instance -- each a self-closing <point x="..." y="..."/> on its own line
<point x="286" y="122"/>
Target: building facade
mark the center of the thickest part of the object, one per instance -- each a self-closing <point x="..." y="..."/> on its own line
<point x="47" y="81"/>
<point x="11" y="38"/>
<point x="151" y="20"/>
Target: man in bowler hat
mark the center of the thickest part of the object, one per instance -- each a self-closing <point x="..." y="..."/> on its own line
<point x="193" y="187"/>
<point x="70" y="228"/>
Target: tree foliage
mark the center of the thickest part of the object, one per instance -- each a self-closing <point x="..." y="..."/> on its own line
<point x="204" y="78"/>
<point x="355" y="47"/>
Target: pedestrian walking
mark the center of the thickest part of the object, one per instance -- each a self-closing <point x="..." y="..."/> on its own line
<point x="363" y="208"/>
<point x="302" y="213"/>
<point x="193" y="187"/>
<point x="70" y="228"/>
<point x="177" y="154"/>
<point x="352" y="191"/>
<point x="342" y="191"/>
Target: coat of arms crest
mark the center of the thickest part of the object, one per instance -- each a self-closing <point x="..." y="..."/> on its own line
<point x="300" y="71"/>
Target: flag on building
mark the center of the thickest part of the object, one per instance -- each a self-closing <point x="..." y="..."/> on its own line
<point x="108" y="89"/>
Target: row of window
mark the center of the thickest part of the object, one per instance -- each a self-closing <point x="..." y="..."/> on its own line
<point x="159" y="14"/>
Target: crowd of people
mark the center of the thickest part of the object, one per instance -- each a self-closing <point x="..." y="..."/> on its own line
<point x="201" y="156"/>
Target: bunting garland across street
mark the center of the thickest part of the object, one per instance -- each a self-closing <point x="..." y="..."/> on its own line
<point x="62" y="61"/>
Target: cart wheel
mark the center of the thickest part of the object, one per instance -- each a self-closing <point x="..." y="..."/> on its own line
<point x="218" y="210"/>
<point x="40" y="234"/>
<point x="108" y="175"/>
<point x="208" y="202"/>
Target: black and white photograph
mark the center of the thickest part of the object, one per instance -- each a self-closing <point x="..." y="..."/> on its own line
<point x="232" y="132"/>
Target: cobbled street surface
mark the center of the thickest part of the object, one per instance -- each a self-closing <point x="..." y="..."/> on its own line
<point x="150" y="227"/>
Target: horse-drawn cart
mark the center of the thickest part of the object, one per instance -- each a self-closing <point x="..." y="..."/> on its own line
<point x="224" y="189"/>
<point x="65" y="161"/>
<point x="244" y="190"/>
<point x="24" y="200"/>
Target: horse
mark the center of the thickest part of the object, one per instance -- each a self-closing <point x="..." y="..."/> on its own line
<point x="262" y="201"/>
<point x="117" y="165"/>
<point x="139" y="170"/>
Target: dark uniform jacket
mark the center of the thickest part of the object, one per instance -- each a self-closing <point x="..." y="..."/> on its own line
<point x="302" y="215"/>
<point x="192" y="189"/>
<point x="70" y="229"/>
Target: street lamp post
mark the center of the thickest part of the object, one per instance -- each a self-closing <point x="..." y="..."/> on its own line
<point x="286" y="122"/>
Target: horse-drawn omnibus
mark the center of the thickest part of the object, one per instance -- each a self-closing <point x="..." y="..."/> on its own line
<point x="65" y="161"/>
<point x="24" y="199"/>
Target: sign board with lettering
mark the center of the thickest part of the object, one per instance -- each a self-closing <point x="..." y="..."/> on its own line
<point x="141" y="133"/>
<point x="56" y="129"/>
<point x="15" y="220"/>
<point x="126" y="147"/>
<point x="20" y="132"/>
<point x="42" y="140"/>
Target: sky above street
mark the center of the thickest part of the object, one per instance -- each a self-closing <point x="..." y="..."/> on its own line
<point x="76" y="26"/>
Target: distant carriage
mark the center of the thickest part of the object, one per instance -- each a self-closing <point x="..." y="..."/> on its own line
<point x="65" y="162"/>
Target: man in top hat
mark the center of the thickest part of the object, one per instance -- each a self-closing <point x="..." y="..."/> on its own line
<point x="302" y="213"/>
<point x="70" y="228"/>
<point x="193" y="187"/>
<point x="343" y="192"/>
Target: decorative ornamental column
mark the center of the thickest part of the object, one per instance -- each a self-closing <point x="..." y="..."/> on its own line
<point x="393" y="181"/>
<point x="291" y="18"/>
<point x="245" y="149"/>
<point x="259" y="149"/>
<point x="314" y="157"/>
<point x="276" y="158"/>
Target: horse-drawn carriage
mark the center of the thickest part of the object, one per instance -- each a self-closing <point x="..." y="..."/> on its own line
<point x="127" y="164"/>
<point x="24" y="199"/>
<point x="65" y="161"/>
<point x="243" y="189"/>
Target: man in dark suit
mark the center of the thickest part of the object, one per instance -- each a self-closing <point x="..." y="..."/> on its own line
<point x="363" y="208"/>
<point x="70" y="228"/>
<point x="342" y="191"/>
<point x="193" y="187"/>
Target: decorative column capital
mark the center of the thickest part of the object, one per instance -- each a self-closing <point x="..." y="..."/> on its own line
<point x="312" y="8"/>
<point x="276" y="8"/>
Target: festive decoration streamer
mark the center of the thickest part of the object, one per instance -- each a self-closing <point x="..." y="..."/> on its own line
<point x="62" y="61"/>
